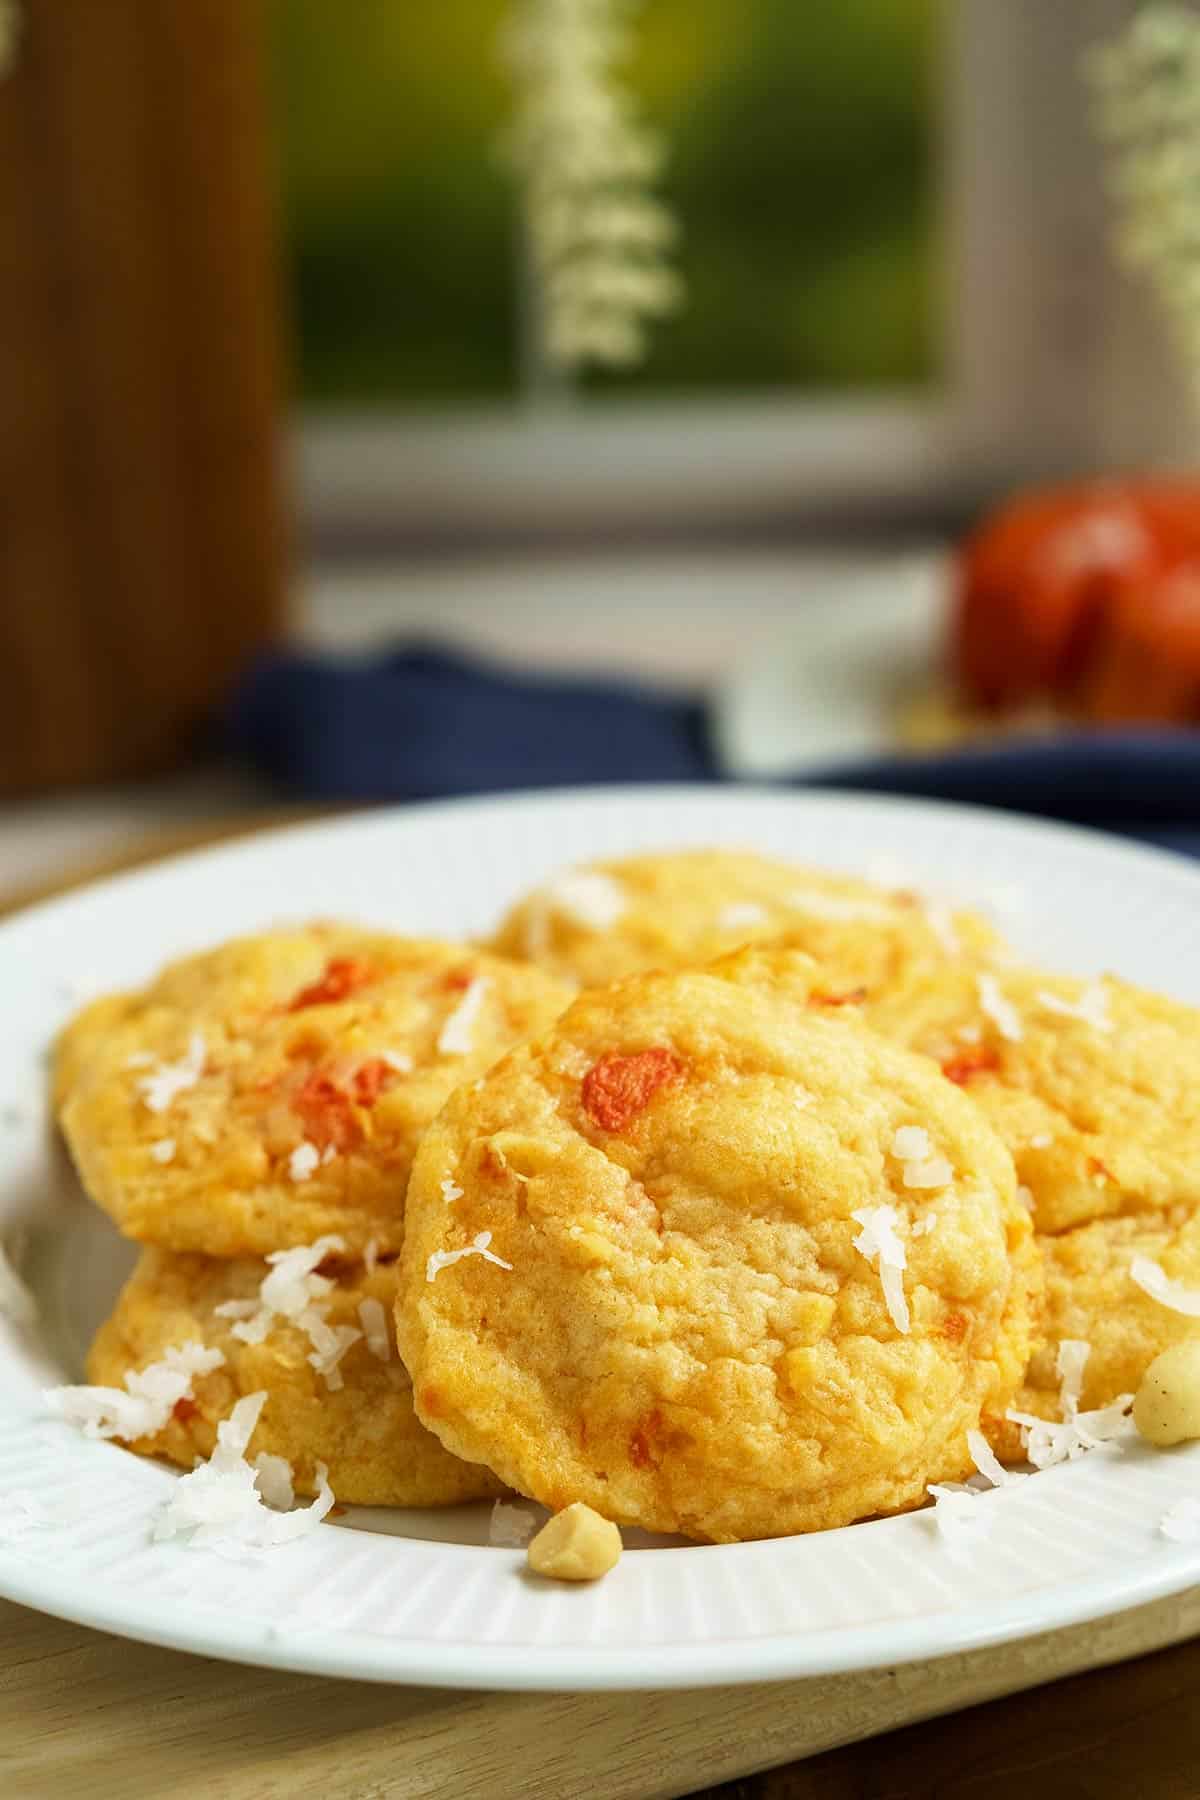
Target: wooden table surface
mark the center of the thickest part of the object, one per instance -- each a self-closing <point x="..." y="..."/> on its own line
<point x="90" y="1716"/>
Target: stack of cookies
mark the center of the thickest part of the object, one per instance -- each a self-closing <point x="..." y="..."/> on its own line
<point x="767" y="1230"/>
<point x="251" y="1119"/>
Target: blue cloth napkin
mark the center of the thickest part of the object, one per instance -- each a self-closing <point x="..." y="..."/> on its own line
<point x="423" y="724"/>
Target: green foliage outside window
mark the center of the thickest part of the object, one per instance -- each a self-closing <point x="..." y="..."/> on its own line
<point x="802" y="147"/>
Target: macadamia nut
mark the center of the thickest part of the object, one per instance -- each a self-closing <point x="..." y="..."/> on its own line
<point x="575" y="1545"/>
<point x="1167" y="1407"/>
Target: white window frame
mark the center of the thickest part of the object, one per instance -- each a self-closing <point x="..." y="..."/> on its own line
<point x="1055" y="362"/>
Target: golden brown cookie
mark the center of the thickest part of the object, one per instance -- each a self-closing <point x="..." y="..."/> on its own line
<point x="1094" y="1086"/>
<point x="651" y="1262"/>
<point x="1091" y="1297"/>
<point x="683" y="908"/>
<point x="364" y="1430"/>
<point x="267" y="1092"/>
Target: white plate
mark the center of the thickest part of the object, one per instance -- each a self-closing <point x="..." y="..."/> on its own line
<point x="826" y="688"/>
<point x="420" y="1596"/>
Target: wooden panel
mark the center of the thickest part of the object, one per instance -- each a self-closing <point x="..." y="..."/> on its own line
<point x="139" y="512"/>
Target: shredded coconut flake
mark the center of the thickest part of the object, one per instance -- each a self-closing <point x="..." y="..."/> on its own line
<point x="922" y="1168"/>
<point x="160" y="1088"/>
<point x="742" y="912"/>
<point x="962" y="1509"/>
<point x="398" y="1060"/>
<point x="511" y="1527"/>
<point x="1025" y="1196"/>
<point x="236" y="1309"/>
<point x="1070" y="1364"/>
<point x="878" y="1242"/>
<point x="1091" y="1006"/>
<point x="1181" y="1522"/>
<point x="1154" y="1280"/>
<point x="999" y="1009"/>
<point x="451" y="1191"/>
<point x="924" y="1226"/>
<point x="442" y="1259"/>
<point x="373" y="1320"/>
<point x="329" y="1344"/>
<point x="164" y="1150"/>
<point x="957" y="1514"/>
<point x="1042" y="1141"/>
<point x="456" y="1037"/>
<point x="293" y="1284"/>
<point x="145" y="1404"/>
<point x="988" y="1463"/>
<point x="1047" y="1443"/>
<point x="16" y="1301"/>
<point x="294" y="1292"/>
<point x="587" y="897"/>
<point x="371" y="1255"/>
<point x="273" y="1479"/>
<point x="304" y="1160"/>
<point x="220" y="1505"/>
<point x="941" y="922"/>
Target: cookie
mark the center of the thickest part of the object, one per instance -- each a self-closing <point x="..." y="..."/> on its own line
<point x="685" y="908"/>
<point x="1094" y="1086"/>
<point x="1091" y="1297"/>
<point x="652" y="1262"/>
<point x="274" y="1090"/>
<point x="363" y="1429"/>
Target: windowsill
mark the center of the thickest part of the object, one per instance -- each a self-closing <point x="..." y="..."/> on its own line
<point x="677" y="617"/>
<point x="889" y="463"/>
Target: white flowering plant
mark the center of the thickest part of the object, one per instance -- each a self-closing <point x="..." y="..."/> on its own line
<point x="597" y="239"/>
<point x="1145" y="84"/>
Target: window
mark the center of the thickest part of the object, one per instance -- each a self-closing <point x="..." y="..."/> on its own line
<point x="894" y="250"/>
<point x="801" y="148"/>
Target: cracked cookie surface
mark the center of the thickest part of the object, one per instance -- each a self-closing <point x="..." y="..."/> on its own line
<point x="1093" y="1085"/>
<point x="631" y="1274"/>
<point x="267" y="1092"/>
